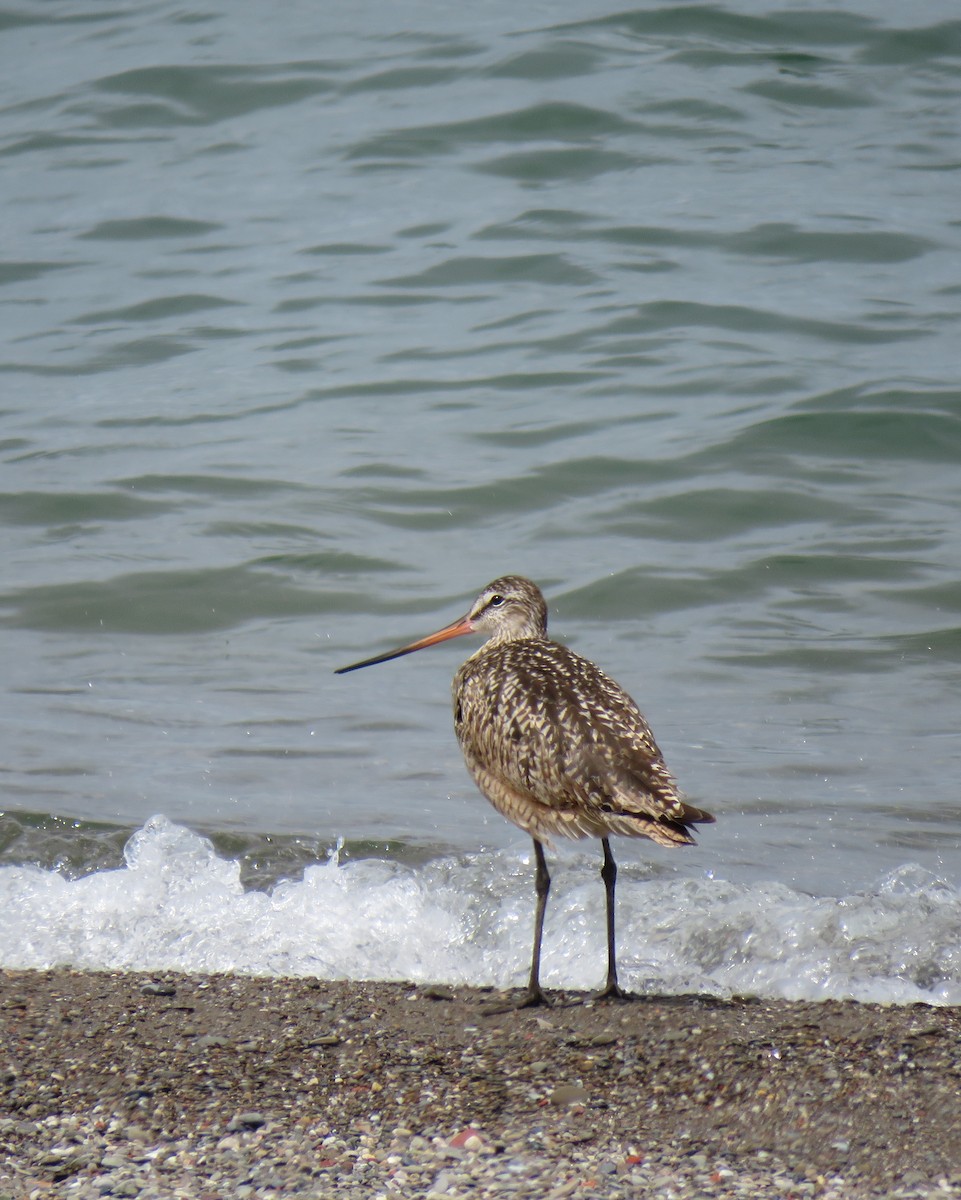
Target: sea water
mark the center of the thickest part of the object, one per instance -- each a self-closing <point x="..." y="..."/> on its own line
<point x="314" y="320"/>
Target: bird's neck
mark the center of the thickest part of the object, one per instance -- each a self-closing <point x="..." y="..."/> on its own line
<point x="510" y="638"/>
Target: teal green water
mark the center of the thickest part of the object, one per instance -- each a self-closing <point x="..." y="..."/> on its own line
<point x="314" y="321"/>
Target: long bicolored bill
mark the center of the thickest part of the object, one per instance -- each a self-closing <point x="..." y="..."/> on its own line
<point x="455" y="629"/>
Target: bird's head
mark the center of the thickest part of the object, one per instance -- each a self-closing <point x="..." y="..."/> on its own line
<point x="509" y="608"/>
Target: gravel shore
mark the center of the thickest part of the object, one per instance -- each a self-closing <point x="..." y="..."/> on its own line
<point x="206" y="1087"/>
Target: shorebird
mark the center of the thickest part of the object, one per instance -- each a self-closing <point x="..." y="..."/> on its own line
<point x="555" y="745"/>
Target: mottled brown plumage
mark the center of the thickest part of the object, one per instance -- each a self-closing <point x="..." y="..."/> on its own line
<point x="554" y="744"/>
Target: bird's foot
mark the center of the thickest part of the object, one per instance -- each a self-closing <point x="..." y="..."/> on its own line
<point x="532" y="998"/>
<point x="613" y="991"/>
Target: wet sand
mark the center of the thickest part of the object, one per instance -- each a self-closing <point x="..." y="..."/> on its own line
<point x="127" y="1084"/>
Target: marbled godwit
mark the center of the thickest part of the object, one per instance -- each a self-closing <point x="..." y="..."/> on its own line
<point x="555" y="745"/>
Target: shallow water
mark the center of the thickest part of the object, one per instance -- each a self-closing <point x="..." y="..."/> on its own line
<point x="177" y="905"/>
<point x="313" y="324"/>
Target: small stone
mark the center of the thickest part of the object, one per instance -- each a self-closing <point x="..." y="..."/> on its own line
<point x="246" y="1120"/>
<point x="157" y="988"/>
<point x="565" y="1190"/>
<point x="568" y="1093"/>
<point x="467" y="1139"/>
<point x="443" y="1184"/>
<point x="124" y="1187"/>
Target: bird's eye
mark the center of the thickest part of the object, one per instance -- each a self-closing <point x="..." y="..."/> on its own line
<point x="496" y="601"/>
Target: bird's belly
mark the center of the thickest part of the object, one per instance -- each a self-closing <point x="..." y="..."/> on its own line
<point x="541" y="821"/>
<point x="509" y="770"/>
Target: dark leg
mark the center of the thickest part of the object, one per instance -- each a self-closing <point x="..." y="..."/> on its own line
<point x="609" y="875"/>
<point x="542" y="885"/>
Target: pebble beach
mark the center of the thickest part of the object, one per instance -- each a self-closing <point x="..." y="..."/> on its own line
<point x="196" y="1087"/>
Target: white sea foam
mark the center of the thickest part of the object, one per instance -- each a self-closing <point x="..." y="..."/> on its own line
<point x="176" y="905"/>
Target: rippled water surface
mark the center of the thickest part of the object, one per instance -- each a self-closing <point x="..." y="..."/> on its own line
<point x="316" y="319"/>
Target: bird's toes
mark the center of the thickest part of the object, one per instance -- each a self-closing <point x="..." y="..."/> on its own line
<point x="614" y="992"/>
<point x="531" y="998"/>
